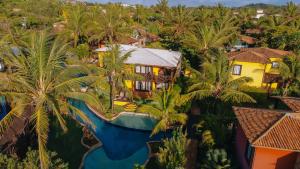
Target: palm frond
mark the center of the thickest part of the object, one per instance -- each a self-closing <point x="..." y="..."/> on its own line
<point x="236" y="97"/>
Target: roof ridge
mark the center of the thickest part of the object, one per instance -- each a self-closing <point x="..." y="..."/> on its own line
<point x="269" y="129"/>
<point x="259" y="54"/>
<point x="276" y="111"/>
<point x="251" y="51"/>
<point x="149" y="50"/>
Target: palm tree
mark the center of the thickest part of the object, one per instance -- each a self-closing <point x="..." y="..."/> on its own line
<point x="213" y="35"/>
<point x="182" y="20"/>
<point x="109" y="23"/>
<point x="290" y="72"/>
<point x="40" y="84"/>
<point x="163" y="9"/>
<point x="117" y="72"/>
<point x="164" y="108"/>
<point x="215" y="81"/>
<point x="76" y="22"/>
<point x="291" y="9"/>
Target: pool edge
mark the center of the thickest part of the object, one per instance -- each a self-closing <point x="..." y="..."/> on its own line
<point x="98" y="145"/>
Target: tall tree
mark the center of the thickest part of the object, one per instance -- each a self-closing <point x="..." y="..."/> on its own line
<point x="290" y="72"/>
<point x="213" y="35"/>
<point x="164" y="108"/>
<point x="40" y="83"/>
<point x="110" y="23"/>
<point x="215" y="81"/>
<point x="76" y="22"/>
<point x="117" y="72"/>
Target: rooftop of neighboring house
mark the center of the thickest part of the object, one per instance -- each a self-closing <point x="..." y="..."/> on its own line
<point x="151" y="37"/>
<point x="257" y="55"/>
<point x="270" y="128"/>
<point x="292" y="102"/>
<point x="148" y="56"/>
<point x="253" y="31"/>
<point x="247" y="39"/>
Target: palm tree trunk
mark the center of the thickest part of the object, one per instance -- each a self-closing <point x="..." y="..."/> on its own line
<point x="112" y="94"/>
<point x="75" y="40"/>
<point x="285" y="90"/>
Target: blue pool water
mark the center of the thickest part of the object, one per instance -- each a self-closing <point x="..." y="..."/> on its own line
<point x="3" y="108"/>
<point x="122" y="147"/>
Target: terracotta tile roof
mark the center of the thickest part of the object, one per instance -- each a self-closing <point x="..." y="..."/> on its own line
<point x="128" y="40"/>
<point x="285" y="134"/>
<point x="256" y="121"/>
<point x="270" y="128"/>
<point x="257" y="55"/>
<point x="253" y="31"/>
<point x="249" y="40"/>
<point x="149" y="36"/>
<point x="292" y="102"/>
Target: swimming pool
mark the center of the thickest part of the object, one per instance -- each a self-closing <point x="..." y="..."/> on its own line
<point x="3" y="107"/>
<point x="122" y="147"/>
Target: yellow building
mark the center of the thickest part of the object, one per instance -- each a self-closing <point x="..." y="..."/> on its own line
<point x="261" y="64"/>
<point x="157" y="66"/>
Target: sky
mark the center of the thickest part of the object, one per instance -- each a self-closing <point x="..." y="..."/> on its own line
<point x="232" y="3"/>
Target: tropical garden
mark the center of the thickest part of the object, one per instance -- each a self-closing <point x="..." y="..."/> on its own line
<point x="47" y="48"/>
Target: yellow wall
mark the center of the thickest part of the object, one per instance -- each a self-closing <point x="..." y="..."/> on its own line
<point x="155" y="71"/>
<point x="253" y="70"/>
<point x="101" y="59"/>
<point x="273" y="85"/>
<point x="129" y="84"/>
<point x="153" y="86"/>
<point x="120" y="103"/>
<point x="269" y="66"/>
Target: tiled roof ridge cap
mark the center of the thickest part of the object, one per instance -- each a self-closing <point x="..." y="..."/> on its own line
<point x="275" y="111"/>
<point x="277" y="51"/>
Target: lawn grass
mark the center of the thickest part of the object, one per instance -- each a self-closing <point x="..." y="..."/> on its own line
<point x="67" y="145"/>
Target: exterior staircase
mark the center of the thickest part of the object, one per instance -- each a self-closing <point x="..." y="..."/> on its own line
<point x="130" y="107"/>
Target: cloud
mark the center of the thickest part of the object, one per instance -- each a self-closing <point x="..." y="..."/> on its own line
<point x="200" y="2"/>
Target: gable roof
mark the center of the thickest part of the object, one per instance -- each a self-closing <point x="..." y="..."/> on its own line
<point x="148" y="56"/>
<point x="253" y="31"/>
<point x="248" y="39"/>
<point x="257" y="55"/>
<point x="270" y="128"/>
<point x="292" y="102"/>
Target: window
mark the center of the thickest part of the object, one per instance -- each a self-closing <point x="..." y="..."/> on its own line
<point x="237" y="69"/>
<point x="249" y="153"/>
<point x="275" y="64"/>
<point x="138" y="69"/>
<point x="143" y="69"/>
<point x="143" y="85"/>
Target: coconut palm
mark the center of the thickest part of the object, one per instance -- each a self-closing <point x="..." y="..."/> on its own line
<point x="117" y="72"/>
<point x="109" y="23"/>
<point x="182" y="20"/>
<point x="290" y="72"/>
<point x="212" y="35"/>
<point x="76" y="22"/>
<point x="215" y="81"/>
<point x="40" y="84"/>
<point x="164" y="108"/>
<point x="162" y="8"/>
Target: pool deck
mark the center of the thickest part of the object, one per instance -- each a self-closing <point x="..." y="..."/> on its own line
<point x="97" y="113"/>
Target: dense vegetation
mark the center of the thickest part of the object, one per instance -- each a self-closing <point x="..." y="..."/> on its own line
<point x="46" y="44"/>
